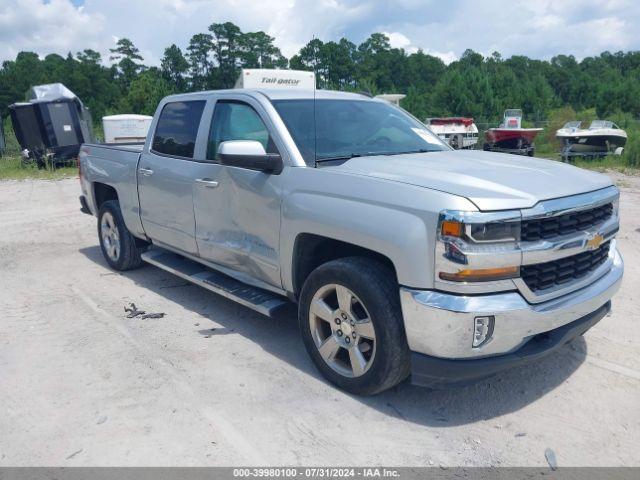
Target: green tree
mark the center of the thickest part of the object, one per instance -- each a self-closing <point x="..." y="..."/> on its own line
<point x="200" y="65"/>
<point x="127" y="56"/>
<point x="175" y="67"/>
<point x="145" y="92"/>
<point x="258" y="51"/>
<point x="227" y="51"/>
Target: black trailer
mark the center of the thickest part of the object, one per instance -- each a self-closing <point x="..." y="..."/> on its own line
<point x="3" y="143"/>
<point x="51" y="125"/>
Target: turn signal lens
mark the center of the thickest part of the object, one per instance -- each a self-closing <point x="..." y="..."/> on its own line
<point x="451" y="228"/>
<point x="484" y="275"/>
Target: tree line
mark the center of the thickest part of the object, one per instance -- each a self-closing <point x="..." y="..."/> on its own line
<point x="474" y="85"/>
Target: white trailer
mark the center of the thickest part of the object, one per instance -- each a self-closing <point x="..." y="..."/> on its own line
<point x="393" y="98"/>
<point x="126" y="128"/>
<point x="266" y="78"/>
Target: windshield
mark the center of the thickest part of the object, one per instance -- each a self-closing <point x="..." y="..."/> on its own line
<point x="349" y="128"/>
<point x="596" y="124"/>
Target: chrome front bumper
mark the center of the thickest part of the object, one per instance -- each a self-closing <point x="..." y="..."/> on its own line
<point x="442" y="324"/>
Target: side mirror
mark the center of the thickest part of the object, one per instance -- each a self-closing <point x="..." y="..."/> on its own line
<point x="249" y="154"/>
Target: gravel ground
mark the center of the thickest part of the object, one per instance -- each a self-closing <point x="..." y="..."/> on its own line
<point x="213" y="383"/>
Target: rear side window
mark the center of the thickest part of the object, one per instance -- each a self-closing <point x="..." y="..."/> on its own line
<point x="177" y="128"/>
<point x="233" y="120"/>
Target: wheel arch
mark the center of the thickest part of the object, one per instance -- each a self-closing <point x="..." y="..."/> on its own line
<point x="312" y="250"/>
<point x="102" y="193"/>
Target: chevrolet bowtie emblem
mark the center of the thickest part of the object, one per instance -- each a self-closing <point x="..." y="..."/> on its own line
<point x="594" y="242"/>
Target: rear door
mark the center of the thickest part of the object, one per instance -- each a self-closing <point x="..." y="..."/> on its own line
<point x="167" y="172"/>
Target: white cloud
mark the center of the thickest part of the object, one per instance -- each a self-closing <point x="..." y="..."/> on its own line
<point x="539" y="29"/>
<point x="446" y="57"/>
<point x="397" y="40"/>
<point x="53" y="27"/>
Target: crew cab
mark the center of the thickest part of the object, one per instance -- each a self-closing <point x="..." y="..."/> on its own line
<point x="407" y="259"/>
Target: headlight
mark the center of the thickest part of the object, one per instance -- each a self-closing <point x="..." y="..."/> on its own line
<point x="492" y="232"/>
<point x="478" y="247"/>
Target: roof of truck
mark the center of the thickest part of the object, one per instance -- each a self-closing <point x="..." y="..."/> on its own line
<point x="284" y="94"/>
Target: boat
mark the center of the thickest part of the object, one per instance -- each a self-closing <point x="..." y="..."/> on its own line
<point x="458" y="132"/>
<point x="510" y="137"/>
<point x="602" y="137"/>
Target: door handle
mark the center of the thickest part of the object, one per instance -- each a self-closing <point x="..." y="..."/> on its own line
<point x="147" y="172"/>
<point x="207" y="182"/>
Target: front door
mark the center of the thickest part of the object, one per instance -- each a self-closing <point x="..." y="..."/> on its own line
<point x="238" y="217"/>
<point x="167" y="174"/>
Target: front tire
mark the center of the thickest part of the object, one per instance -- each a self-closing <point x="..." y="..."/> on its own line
<point x="352" y="327"/>
<point x="121" y="250"/>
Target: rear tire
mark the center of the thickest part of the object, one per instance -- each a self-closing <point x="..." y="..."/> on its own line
<point x="352" y="326"/>
<point x="121" y="250"/>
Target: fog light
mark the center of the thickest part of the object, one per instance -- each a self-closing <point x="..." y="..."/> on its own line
<point x="482" y="330"/>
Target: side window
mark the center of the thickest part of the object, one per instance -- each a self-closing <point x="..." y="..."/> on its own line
<point x="177" y="128"/>
<point x="237" y="121"/>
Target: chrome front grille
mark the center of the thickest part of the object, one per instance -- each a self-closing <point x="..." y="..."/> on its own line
<point x="546" y="228"/>
<point x="544" y="276"/>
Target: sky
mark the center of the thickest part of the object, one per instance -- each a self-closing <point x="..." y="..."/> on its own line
<point x="536" y="28"/>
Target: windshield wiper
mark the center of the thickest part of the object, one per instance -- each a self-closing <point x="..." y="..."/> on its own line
<point x="367" y="154"/>
<point x="408" y="152"/>
<point x="338" y="157"/>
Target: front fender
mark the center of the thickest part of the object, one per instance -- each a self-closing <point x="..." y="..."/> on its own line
<point x="393" y="219"/>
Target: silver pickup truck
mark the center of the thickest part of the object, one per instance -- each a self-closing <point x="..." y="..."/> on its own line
<point x="406" y="258"/>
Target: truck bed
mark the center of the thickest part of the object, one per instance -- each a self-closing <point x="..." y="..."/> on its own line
<point x="112" y="167"/>
<point x="132" y="147"/>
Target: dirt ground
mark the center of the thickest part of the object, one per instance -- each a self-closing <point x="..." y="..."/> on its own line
<point x="213" y="383"/>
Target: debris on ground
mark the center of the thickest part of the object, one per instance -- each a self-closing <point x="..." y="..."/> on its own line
<point x="74" y="454"/>
<point x="521" y="434"/>
<point x="551" y="458"/>
<point x="133" y="312"/>
<point x="101" y="420"/>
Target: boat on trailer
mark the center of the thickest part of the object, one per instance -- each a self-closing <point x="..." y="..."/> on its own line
<point x="458" y="132"/>
<point x="510" y="137"/>
<point x="601" y="138"/>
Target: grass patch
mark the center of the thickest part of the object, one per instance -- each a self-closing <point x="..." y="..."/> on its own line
<point x="612" y="162"/>
<point x="11" y="168"/>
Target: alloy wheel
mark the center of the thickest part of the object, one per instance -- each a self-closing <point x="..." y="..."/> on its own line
<point x="342" y="330"/>
<point x="110" y="236"/>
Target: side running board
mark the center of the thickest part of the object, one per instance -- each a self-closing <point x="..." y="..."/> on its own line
<point x="260" y="300"/>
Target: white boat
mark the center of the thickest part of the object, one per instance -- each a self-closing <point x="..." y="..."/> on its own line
<point x="602" y="136"/>
<point x="458" y="132"/>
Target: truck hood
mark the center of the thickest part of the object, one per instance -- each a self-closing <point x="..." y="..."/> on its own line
<point x="492" y="181"/>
